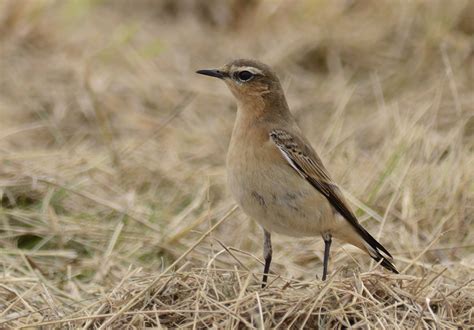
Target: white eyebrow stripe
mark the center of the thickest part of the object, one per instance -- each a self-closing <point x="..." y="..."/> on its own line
<point x="250" y="69"/>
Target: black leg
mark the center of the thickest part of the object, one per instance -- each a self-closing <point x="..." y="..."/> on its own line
<point x="327" y="245"/>
<point x="267" y="255"/>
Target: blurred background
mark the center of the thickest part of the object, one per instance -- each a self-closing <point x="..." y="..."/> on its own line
<point x="112" y="150"/>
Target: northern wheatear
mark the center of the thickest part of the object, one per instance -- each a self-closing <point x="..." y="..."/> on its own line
<point x="276" y="176"/>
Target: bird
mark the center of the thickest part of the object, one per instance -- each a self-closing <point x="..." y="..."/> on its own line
<point x="276" y="176"/>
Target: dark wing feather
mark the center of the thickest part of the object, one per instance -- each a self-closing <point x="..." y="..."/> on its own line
<point x="304" y="160"/>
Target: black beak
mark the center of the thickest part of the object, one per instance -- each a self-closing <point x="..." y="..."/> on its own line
<point x="213" y="73"/>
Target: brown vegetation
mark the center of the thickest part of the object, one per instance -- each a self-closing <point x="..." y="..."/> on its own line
<point x="114" y="209"/>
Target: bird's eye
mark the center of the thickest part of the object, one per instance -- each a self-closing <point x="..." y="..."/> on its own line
<point x="245" y="75"/>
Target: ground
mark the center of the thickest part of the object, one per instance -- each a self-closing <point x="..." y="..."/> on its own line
<point x="114" y="210"/>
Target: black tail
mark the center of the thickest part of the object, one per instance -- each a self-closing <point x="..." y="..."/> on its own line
<point x="333" y="195"/>
<point x="376" y="250"/>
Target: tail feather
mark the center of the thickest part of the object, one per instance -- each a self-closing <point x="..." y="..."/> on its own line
<point x="377" y="251"/>
<point x="358" y="236"/>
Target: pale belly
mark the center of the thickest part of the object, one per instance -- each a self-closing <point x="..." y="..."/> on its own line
<point x="279" y="199"/>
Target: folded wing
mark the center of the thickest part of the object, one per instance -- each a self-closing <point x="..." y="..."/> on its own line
<point x="304" y="160"/>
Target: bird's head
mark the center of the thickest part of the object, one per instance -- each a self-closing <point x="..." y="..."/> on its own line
<point x="249" y="81"/>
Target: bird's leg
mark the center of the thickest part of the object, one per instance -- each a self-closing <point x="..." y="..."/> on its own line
<point x="327" y="245"/>
<point x="267" y="255"/>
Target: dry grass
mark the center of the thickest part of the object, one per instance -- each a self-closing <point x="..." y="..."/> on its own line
<point x="114" y="209"/>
